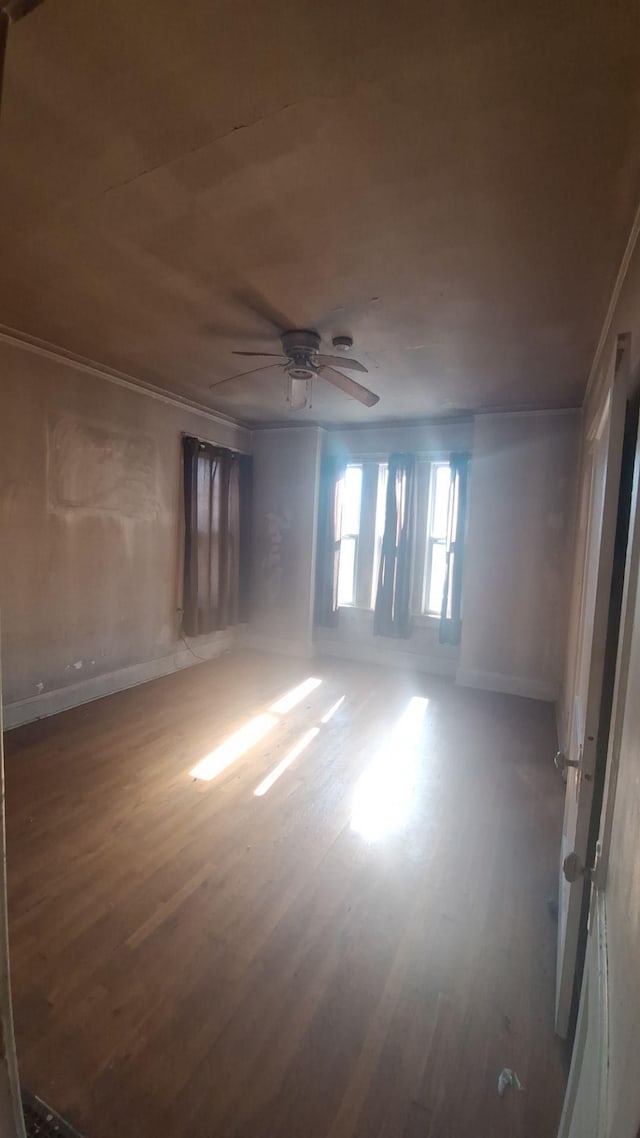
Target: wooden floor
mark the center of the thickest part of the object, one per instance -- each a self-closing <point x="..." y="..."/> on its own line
<point x="358" y="951"/>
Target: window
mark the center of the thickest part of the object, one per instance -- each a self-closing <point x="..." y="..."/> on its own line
<point x="364" y="493"/>
<point x="350" y="532"/>
<point x="381" y="498"/>
<point x="217" y="507"/>
<point x="436" y="553"/>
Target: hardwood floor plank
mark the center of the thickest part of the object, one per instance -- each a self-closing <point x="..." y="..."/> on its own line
<point x="191" y="959"/>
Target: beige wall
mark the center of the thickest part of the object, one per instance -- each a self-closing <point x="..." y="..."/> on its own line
<point x="439" y="437"/>
<point x="90" y="531"/>
<point x="285" y="476"/>
<point x="521" y="496"/>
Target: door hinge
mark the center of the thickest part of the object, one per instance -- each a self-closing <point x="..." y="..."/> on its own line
<point x="561" y="762"/>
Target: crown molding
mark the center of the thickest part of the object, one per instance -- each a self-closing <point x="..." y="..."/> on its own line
<point x="432" y="422"/>
<point x="43" y="348"/>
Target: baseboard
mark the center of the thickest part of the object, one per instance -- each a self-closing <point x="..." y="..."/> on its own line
<point x="387" y="657"/>
<point x="62" y="699"/>
<point x="302" y="649"/>
<point x="545" y="690"/>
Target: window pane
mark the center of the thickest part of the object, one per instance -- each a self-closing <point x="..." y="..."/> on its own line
<point x="442" y="475"/>
<point x="438" y="569"/>
<point x="351" y="499"/>
<point x="347" y="571"/>
<point x="381" y="498"/>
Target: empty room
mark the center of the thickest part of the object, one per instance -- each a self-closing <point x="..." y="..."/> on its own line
<point x="319" y="550"/>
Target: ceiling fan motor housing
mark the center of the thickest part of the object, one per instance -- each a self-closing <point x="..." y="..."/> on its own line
<point x="300" y="346"/>
<point x="301" y="341"/>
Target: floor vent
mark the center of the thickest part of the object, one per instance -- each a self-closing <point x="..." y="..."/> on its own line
<point x="40" y="1121"/>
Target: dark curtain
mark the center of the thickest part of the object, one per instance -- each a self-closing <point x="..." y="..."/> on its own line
<point x="392" y="616"/>
<point x="328" y="548"/>
<point x="451" y="613"/>
<point x="216" y="488"/>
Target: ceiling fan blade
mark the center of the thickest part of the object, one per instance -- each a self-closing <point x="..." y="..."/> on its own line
<point x="16" y="9"/>
<point x="276" y="355"/>
<point x="349" y="386"/>
<point x="240" y="374"/>
<point x="339" y="361"/>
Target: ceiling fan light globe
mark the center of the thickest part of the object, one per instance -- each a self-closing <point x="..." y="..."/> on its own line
<point x="298" y="393"/>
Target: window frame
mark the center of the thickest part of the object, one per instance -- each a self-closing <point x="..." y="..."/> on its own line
<point x="432" y="541"/>
<point x="365" y="539"/>
<point x="354" y="537"/>
<point x="423" y="559"/>
<point x="381" y="485"/>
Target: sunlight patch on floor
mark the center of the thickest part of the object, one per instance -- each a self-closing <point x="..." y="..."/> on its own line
<point x="294" y="697"/>
<point x="252" y="732"/>
<point x="296" y="750"/>
<point x="332" y="710"/>
<point x="233" y="747"/>
<point x="384" y="793"/>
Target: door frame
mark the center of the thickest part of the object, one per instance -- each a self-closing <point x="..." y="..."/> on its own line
<point x="587" y="751"/>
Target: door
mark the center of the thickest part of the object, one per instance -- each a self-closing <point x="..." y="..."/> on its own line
<point x="11" y="1118"/>
<point x="584" y="1113"/>
<point x="602" y="1093"/>
<point x="599" y="507"/>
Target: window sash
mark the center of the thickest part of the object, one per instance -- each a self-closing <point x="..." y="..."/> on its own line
<point x="433" y="540"/>
<point x="347" y="585"/>
<point x="428" y="610"/>
<point x="426" y="540"/>
<point x="351" y="587"/>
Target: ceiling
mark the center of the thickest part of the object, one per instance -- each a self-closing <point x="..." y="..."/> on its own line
<point x="451" y="183"/>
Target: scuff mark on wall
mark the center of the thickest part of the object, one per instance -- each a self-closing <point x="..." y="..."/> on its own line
<point x="95" y="470"/>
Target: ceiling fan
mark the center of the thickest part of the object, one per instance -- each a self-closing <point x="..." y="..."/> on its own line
<point x="302" y="362"/>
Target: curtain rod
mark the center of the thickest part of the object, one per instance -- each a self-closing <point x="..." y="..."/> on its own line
<point x="211" y="443"/>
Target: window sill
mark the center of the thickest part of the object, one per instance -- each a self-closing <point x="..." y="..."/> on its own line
<point x="421" y="619"/>
<point x="428" y="619"/>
